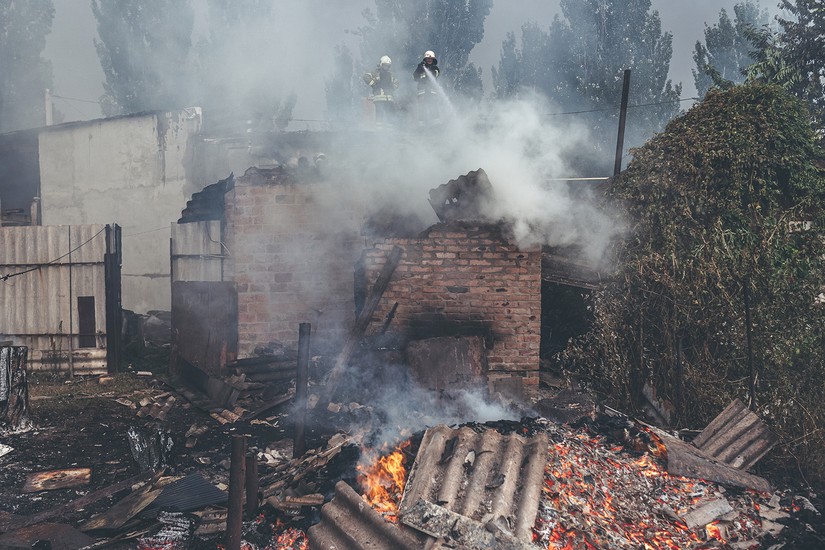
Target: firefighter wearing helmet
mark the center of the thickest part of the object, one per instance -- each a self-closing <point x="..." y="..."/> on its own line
<point x="425" y="74"/>
<point x="382" y="82"/>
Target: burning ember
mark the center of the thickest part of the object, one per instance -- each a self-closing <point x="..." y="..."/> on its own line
<point x="598" y="495"/>
<point x="292" y="539"/>
<point x="383" y="481"/>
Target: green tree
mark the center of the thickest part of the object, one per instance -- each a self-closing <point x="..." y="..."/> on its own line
<point x="144" y="50"/>
<point x="794" y="57"/>
<point x="727" y="52"/>
<point x="579" y="63"/>
<point x="405" y="30"/>
<point x="715" y="296"/>
<point x="24" y="74"/>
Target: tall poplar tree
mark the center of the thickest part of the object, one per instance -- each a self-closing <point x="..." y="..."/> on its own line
<point x="144" y="50"/>
<point x="24" y="74"/>
<point x="728" y="50"/>
<point x="579" y="63"/>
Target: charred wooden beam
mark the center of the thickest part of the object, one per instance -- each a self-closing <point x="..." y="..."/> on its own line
<point x="686" y="460"/>
<point x="361" y="323"/>
<point x="82" y="502"/>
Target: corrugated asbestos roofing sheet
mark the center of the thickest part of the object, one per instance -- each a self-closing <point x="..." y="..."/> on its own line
<point x="483" y="476"/>
<point x="737" y="437"/>
<point x="348" y="522"/>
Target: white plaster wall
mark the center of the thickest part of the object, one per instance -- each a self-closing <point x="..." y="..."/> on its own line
<point x="133" y="171"/>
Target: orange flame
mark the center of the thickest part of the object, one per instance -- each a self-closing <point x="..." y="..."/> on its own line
<point x="383" y="482"/>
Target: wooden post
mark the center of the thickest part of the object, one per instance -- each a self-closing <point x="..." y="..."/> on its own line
<point x="299" y="443"/>
<point x="251" y="486"/>
<point x="237" y="481"/>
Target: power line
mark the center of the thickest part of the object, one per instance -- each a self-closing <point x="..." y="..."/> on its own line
<point x="10" y="275"/>
<point x="77" y="99"/>
<point x="629" y="107"/>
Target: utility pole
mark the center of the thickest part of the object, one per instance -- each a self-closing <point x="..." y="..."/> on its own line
<point x="617" y="167"/>
<point x="49" y="108"/>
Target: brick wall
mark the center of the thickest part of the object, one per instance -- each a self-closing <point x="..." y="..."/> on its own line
<point x="292" y="258"/>
<point x="462" y="279"/>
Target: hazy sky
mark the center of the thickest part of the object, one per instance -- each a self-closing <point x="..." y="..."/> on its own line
<point x="77" y="72"/>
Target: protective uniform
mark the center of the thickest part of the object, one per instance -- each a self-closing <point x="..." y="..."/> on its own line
<point x="382" y="82"/>
<point x="424" y="74"/>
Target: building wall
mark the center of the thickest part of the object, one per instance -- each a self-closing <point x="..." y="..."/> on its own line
<point x="133" y="171"/>
<point x="292" y="254"/>
<point x="463" y="280"/>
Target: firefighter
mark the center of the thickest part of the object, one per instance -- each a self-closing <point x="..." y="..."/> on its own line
<point x="425" y="75"/>
<point x="382" y="82"/>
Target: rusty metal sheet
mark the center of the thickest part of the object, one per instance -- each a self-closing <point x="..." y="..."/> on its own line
<point x="736" y="437"/>
<point x="205" y="323"/>
<point x="483" y="476"/>
<point x="57" y="479"/>
<point x="348" y="522"/>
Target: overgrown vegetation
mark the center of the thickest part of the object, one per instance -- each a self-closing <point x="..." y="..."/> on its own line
<point x="716" y="292"/>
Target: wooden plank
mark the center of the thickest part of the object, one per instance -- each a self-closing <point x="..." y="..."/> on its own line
<point x="57" y="479"/>
<point x="124" y="510"/>
<point x="688" y="461"/>
<point x="736" y="437"/>
<point x="82" y="502"/>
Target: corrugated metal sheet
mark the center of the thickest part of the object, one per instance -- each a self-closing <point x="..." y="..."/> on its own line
<point x="737" y="437"/>
<point x="184" y="495"/>
<point x="348" y="522"/>
<point x="197" y="254"/>
<point x="480" y="475"/>
<point x="37" y="305"/>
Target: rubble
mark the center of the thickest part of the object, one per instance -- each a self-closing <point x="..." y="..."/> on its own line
<point x="567" y="475"/>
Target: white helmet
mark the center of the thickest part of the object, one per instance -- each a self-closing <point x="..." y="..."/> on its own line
<point x="429" y="53"/>
<point x="385" y="62"/>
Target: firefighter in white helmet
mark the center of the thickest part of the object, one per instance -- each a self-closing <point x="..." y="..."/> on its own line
<point x="425" y="74"/>
<point x="383" y="83"/>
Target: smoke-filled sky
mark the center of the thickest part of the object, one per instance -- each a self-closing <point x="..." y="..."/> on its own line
<point x="319" y="25"/>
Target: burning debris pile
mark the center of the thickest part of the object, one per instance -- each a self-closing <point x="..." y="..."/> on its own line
<point x="600" y="481"/>
<point x="604" y="484"/>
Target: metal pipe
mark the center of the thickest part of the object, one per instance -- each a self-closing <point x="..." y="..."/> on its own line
<point x="299" y="442"/>
<point x="234" y="515"/>
<point x="617" y="167"/>
<point x="71" y="311"/>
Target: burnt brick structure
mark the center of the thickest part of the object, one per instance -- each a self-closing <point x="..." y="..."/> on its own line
<point x="292" y="261"/>
<point x="462" y="279"/>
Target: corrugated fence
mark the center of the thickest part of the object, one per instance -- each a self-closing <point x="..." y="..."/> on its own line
<point x="53" y="295"/>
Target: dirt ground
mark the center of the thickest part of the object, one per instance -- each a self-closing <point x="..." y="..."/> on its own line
<point x="84" y="423"/>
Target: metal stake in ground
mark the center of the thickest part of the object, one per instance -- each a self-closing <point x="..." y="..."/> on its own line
<point x="237" y="473"/>
<point x="299" y="443"/>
